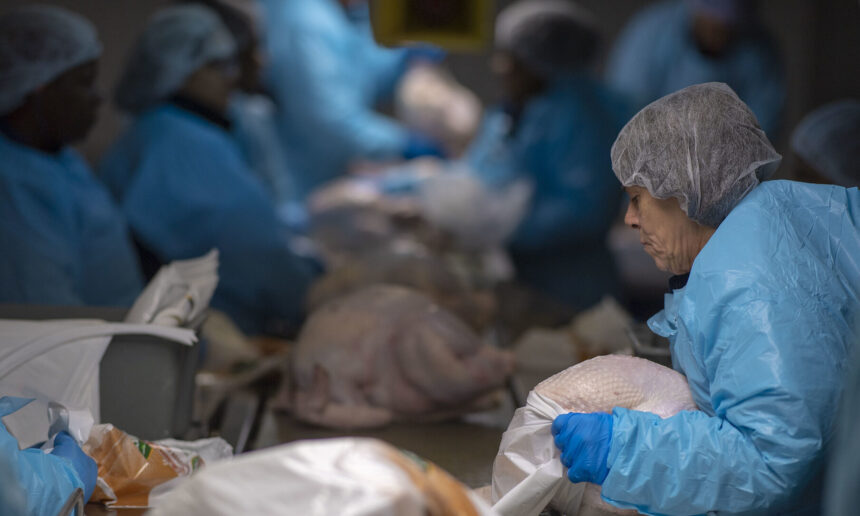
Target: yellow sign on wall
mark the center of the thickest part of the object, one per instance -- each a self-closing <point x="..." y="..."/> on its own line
<point x="458" y="25"/>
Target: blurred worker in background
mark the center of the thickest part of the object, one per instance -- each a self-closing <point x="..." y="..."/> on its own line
<point x="828" y="144"/>
<point x="63" y="239"/>
<point x="325" y="74"/>
<point x="678" y="43"/>
<point x="182" y="180"/>
<point x="554" y="128"/>
<point x="764" y="313"/>
<point x="253" y="114"/>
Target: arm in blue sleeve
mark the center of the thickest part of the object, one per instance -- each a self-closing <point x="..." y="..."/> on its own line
<point x="765" y="439"/>
<point x="322" y="95"/>
<point x="47" y="481"/>
<point x="386" y="67"/>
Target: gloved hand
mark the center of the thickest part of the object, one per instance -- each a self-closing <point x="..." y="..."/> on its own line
<point x="584" y="441"/>
<point x="67" y="448"/>
<point x="419" y="145"/>
<point x="426" y="53"/>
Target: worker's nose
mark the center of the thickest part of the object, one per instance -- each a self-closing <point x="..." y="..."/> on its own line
<point x="631" y="218"/>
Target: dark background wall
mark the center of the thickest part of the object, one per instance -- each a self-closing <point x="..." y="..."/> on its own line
<point x="819" y="41"/>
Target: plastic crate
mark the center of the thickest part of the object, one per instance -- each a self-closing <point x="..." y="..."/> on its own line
<point x="146" y="383"/>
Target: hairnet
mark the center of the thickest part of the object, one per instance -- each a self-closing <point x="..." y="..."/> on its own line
<point x="829" y="140"/>
<point x="701" y="145"/>
<point x="37" y="44"/>
<point x="550" y="37"/>
<point x="176" y="42"/>
<point x="241" y="17"/>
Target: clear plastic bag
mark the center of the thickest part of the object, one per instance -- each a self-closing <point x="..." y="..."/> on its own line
<point x="136" y="473"/>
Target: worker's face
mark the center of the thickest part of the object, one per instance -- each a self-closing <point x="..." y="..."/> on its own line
<point x="670" y="237"/>
<point x="713" y="36"/>
<point x="69" y="104"/>
<point x="251" y="62"/>
<point x="518" y="83"/>
<point x="213" y="84"/>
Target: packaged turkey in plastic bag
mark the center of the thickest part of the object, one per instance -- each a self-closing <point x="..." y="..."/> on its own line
<point x="480" y="217"/>
<point x="179" y="293"/>
<point x="137" y="473"/>
<point x="387" y="353"/>
<point x="346" y="476"/>
<point x="527" y="473"/>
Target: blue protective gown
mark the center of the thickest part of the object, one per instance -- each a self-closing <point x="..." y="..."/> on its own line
<point x="325" y="73"/>
<point x="762" y="331"/>
<point x="33" y="482"/>
<point x="842" y="495"/>
<point x="656" y="55"/>
<point x="185" y="189"/>
<point x="63" y="239"/>
<point x="561" y="145"/>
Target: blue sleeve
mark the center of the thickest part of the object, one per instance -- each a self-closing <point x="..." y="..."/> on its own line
<point x="47" y="481"/>
<point x="319" y="84"/>
<point x="385" y="66"/>
<point x="763" y="443"/>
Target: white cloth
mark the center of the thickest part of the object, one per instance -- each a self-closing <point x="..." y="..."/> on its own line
<point x="179" y="292"/>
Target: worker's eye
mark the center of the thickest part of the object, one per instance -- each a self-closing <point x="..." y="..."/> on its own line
<point x="634" y="200"/>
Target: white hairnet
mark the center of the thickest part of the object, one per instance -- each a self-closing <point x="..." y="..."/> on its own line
<point x="37" y="44"/>
<point x="829" y="140"/>
<point x="701" y="145"/>
<point x="550" y="37"/>
<point x="176" y="42"/>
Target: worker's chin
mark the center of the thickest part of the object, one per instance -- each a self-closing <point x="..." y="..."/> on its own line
<point x="659" y="261"/>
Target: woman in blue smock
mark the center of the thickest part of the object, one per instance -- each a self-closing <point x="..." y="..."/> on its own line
<point x="764" y="311"/>
<point x="182" y="180"/>
<point x="325" y="73"/>
<point x="678" y="43"/>
<point x="554" y="130"/>
<point x="64" y="241"/>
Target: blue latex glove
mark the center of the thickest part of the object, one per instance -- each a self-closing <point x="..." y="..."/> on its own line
<point x="427" y="53"/>
<point x="584" y="443"/>
<point x="419" y="145"/>
<point x="67" y="448"/>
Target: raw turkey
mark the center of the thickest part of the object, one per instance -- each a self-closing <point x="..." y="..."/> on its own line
<point x="385" y="353"/>
<point x="527" y="472"/>
<point x="425" y="273"/>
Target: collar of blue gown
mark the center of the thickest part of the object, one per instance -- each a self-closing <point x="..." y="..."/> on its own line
<point x="202" y="111"/>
